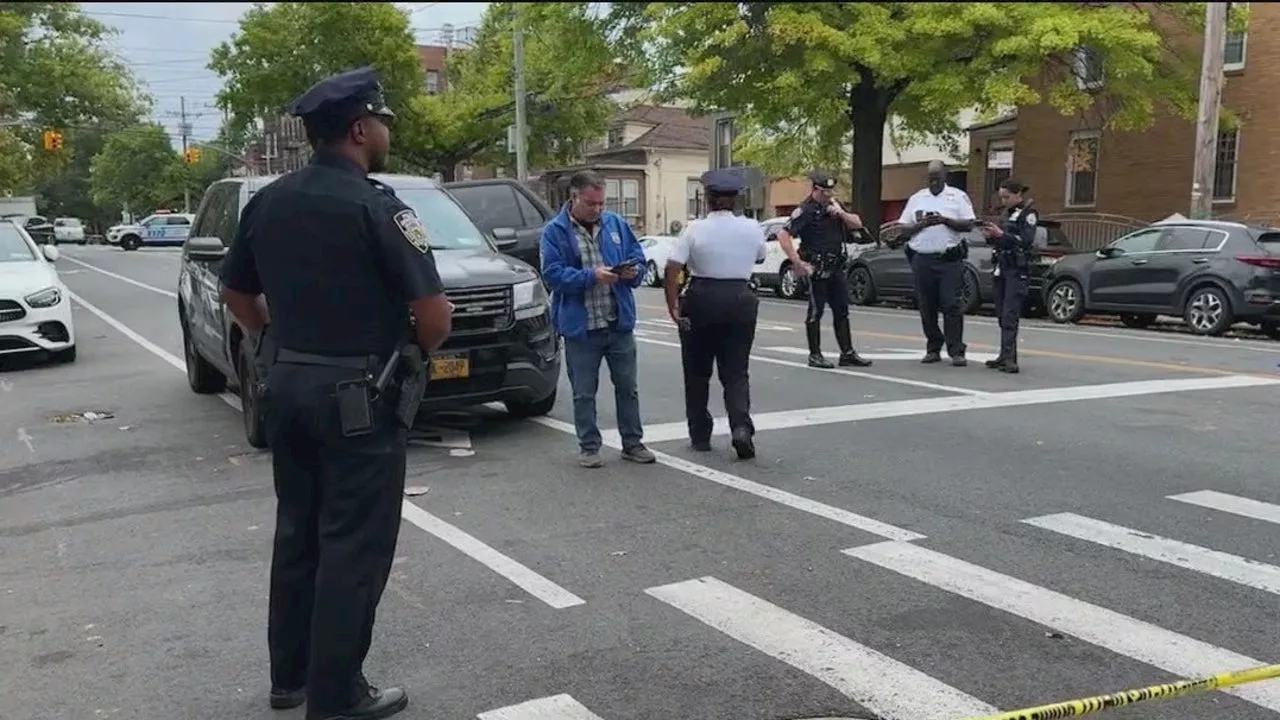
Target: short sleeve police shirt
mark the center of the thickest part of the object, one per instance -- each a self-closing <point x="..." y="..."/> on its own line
<point x="721" y="245"/>
<point x="816" y="229"/>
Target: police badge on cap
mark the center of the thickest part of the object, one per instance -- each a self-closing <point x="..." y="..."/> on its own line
<point x="822" y="180"/>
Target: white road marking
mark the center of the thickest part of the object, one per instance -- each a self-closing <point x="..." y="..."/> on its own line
<point x="887" y="354"/>
<point x="1121" y="634"/>
<point x="1234" y="504"/>
<point x="782" y="497"/>
<point x="533" y="583"/>
<point x="842" y="371"/>
<point x="122" y="278"/>
<point x="1174" y="552"/>
<point x="24" y="437"/>
<point x="879" y="683"/>
<point x="784" y="419"/>
<point x="556" y="707"/>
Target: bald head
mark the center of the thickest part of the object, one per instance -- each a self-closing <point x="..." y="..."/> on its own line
<point x="937" y="176"/>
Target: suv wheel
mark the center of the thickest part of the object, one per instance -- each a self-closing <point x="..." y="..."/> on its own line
<point x="537" y="408"/>
<point x="651" y="274"/>
<point x="203" y="377"/>
<point x="1065" y="301"/>
<point x="788" y="282"/>
<point x="1208" y="312"/>
<point x="130" y="242"/>
<point x="255" y="426"/>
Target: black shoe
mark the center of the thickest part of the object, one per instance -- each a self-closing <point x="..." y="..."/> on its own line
<point x="852" y="358"/>
<point x="996" y="364"/>
<point x="287" y="699"/>
<point x="701" y="445"/>
<point x="743" y="444"/>
<point x="931" y="357"/>
<point x="379" y="704"/>
<point x="959" y="361"/>
<point x="1010" y="367"/>
<point x="819" y="361"/>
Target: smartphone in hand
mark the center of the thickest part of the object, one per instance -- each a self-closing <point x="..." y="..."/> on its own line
<point x="629" y="263"/>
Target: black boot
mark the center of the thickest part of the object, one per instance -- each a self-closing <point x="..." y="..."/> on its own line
<point x="997" y="363"/>
<point x="1010" y="363"/>
<point x="848" y="356"/>
<point x="813" y="333"/>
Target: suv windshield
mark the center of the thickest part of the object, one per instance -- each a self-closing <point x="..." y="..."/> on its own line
<point x="67" y="222"/>
<point x="448" y="227"/>
<point x="14" y="247"/>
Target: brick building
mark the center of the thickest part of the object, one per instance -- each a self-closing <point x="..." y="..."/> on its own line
<point x="1073" y="165"/>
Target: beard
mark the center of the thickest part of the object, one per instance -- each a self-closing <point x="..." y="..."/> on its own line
<point x="378" y="161"/>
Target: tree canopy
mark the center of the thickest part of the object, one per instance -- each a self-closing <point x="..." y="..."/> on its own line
<point x="805" y="77"/>
<point x="136" y="168"/>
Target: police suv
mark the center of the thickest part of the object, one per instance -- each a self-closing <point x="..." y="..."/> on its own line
<point x="502" y="347"/>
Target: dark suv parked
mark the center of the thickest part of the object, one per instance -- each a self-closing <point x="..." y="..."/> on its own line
<point x="1212" y="273"/>
<point x="502" y="205"/>
<point x="502" y="347"/>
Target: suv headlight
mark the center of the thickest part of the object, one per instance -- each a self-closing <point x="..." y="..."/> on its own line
<point x="529" y="299"/>
<point x="47" y="297"/>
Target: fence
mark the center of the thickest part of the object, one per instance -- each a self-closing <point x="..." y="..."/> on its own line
<point x="1086" y="231"/>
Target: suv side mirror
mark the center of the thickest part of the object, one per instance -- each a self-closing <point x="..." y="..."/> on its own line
<point x="504" y="238"/>
<point x="1109" y="252"/>
<point x="50" y="252"/>
<point x="205" y="249"/>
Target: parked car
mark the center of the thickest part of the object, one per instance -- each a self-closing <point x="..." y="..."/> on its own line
<point x="69" y="230"/>
<point x="156" y="230"/>
<point x="1211" y="273"/>
<point x="657" y="248"/>
<point x="37" y="227"/>
<point x="502" y="347"/>
<point x="502" y="206"/>
<point x="35" y="310"/>
<point x="776" y="273"/>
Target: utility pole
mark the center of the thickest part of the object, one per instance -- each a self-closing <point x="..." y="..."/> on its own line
<point x="185" y="130"/>
<point x="1211" y="81"/>
<point x="522" y="130"/>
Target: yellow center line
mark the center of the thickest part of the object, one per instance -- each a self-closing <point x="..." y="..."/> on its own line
<point x="1077" y="357"/>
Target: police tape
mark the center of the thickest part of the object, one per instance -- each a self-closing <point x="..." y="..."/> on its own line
<point x="1084" y="706"/>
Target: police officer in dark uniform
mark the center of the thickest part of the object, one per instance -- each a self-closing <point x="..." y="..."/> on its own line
<point x="717" y="311"/>
<point x="1013" y="239"/>
<point x="824" y="228"/>
<point x="354" y="297"/>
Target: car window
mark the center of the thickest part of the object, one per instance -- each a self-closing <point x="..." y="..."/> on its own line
<point x="1139" y="242"/>
<point x="493" y="206"/>
<point x="1270" y="241"/>
<point x="448" y="227"/>
<point x="228" y="219"/>
<point x="13" y="246"/>
<point x="533" y="217"/>
<point x="1187" y="238"/>
<point x="209" y="217"/>
<point x="178" y="220"/>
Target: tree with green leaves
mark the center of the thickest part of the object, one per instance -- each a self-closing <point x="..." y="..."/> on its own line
<point x="136" y="169"/>
<point x="282" y="49"/>
<point x="56" y="71"/>
<point x="806" y="77"/>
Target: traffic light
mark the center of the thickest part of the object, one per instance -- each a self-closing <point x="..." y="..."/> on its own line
<point x="192" y="155"/>
<point x="52" y="140"/>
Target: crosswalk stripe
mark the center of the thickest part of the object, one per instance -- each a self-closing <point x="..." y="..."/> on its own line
<point x="1105" y="628"/>
<point x="1234" y="504"/>
<point x="556" y="707"/>
<point x="1174" y="552"/>
<point x="877" y="682"/>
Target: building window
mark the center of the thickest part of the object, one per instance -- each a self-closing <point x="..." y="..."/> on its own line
<point x="1086" y="65"/>
<point x="1224" y="168"/>
<point x="724" y="143"/>
<point x="1082" y="168"/>
<point x="612" y="196"/>
<point x="1233" y="51"/>
<point x="616" y="137"/>
<point x="631" y="199"/>
<point x="999" y="169"/>
<point x="433" y="81"/>
<point x="693" y="195"/>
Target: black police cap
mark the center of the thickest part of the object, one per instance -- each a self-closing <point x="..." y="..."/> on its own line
<point x="722" y="182"/>
<point x="344" y="96"/>
<point x="822" y="180"/>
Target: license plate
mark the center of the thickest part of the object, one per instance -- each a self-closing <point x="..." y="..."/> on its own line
<point x="450" y="367"/>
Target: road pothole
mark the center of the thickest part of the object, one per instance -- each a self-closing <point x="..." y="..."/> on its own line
<point x="89" y="416"/>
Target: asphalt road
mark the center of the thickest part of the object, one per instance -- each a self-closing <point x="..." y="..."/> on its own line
<point x="918" y="542"/>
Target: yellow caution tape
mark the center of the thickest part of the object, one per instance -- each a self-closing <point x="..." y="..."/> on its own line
<point x="1084" y="706"/>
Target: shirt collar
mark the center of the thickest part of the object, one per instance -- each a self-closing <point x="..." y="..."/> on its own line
<point x="334" y="160"/>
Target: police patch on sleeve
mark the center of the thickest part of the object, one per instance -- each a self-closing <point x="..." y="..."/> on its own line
<point x="412" y="229"/>
<point x="796" y="213"/>
<point x="1030" y="219"/>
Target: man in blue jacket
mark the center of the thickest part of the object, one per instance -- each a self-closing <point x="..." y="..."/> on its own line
<point x="594" y="309"/>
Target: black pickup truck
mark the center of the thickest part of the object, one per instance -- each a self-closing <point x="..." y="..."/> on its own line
<point x="502" y="347"/>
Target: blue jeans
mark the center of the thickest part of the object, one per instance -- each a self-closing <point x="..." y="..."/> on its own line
<point x="582" y="362"/>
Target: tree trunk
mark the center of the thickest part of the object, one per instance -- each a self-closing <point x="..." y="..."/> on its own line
<point x="448" y="173"/>
<point x="868" y="112"/>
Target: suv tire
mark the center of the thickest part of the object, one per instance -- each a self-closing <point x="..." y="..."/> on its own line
<point x="255" y="426"/>
<point x="203" y="377"/>
<point x="537" y="408"/>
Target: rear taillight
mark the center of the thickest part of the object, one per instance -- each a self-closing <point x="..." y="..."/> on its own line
<point x="1270" y="262"/>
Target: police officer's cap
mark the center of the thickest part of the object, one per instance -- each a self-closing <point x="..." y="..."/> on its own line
<point x="822" y="180"/>
<point x="343" y="97"/>
<point x="722" y="182"/>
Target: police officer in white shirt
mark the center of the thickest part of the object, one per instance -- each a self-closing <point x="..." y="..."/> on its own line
<point x="931" y="225"/>
<point x="718" y="310"/>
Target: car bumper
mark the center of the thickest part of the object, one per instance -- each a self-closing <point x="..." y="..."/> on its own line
<point x="39" y="330"/>
<point x="520" y="365"/>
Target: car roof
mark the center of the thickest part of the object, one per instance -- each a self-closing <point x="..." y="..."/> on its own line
<point x="396" y="181"/>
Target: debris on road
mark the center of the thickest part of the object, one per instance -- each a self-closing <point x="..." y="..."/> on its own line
<point x="415" y="490"/>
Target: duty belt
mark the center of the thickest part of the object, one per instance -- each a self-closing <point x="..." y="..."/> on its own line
<point x="349" y="362"/>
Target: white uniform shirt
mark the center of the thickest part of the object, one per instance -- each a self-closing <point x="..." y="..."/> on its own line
<point x="951" y="203"/>
<point x="721" y="245"/>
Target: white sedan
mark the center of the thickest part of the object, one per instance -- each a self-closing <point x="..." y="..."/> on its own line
<point x="35" y="310"/>
<point x="657" y="248"/>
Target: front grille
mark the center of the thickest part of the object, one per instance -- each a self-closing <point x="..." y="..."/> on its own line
<point x="10" y="310"/>
<point x="482" y="309"/>
<point x="16" y="344"/>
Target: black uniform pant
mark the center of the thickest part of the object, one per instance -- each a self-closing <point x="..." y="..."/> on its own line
<point x="337" y="522"/>
<point x="833" y="291"/>
<point x="722" y="327"/>
<point x="938" y="290"/>
<point x="1010" y="287"/>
